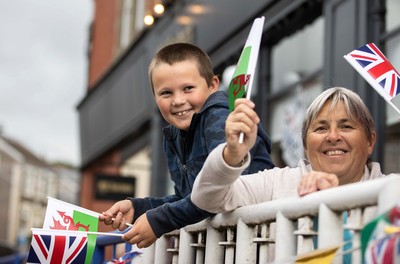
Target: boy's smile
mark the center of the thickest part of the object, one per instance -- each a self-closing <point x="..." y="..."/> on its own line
<point x="180" y="91"/>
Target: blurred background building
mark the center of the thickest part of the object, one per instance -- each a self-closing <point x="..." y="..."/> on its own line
<point x="301" y="54"/>
<point x="26" y="181"/>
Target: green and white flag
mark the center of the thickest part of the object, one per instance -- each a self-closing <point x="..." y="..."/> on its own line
<point x="61" y="215"/>
<point x="243" y="76"/>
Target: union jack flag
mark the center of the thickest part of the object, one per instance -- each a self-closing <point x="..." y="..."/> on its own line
<point x="376" y="69"/>
<point x="384" y="250"/>
<point x="57" y="247"/>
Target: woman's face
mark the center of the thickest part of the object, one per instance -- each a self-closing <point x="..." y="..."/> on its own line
<point x="337" y="144"/>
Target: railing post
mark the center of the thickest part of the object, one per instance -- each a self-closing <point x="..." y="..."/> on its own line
<point x="285" y="241"/>
<point x="330" y="230"/>
<point x="305" y="232"/>
<point x="354" y="226"/>
<point x="186" y="251"/>
<point x="148" y="254"/>
<point x="246" y="250"/>
<point x="161" y="256"/>
<point x="264" y="241"/>
<point x="199" y="246"/>
<point x="229" y="246"/>
<point x="214" y="252"/>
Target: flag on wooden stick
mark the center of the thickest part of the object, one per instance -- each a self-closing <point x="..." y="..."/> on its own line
<point x="377" y="70"/>
<point x="65" y="216"/>
<point x="241" y="83"/>
<point x="57" y="246"/>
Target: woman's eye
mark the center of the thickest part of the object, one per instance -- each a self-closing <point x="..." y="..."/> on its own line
<point x="319" y="129"/>
<point x="347" y="127"/>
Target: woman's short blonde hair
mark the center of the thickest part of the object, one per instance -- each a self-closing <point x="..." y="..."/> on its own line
<point x="355" y="108"/>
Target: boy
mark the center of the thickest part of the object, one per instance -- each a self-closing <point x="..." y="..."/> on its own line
<point x="185" y="90"/>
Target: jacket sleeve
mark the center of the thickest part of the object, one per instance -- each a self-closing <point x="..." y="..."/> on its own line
<point x="178" y="214"/>
<point x="221" y="188"/>
<point x="141" y="205"/>
<point x="211" y="190"/>
<point x="260" y="153"/>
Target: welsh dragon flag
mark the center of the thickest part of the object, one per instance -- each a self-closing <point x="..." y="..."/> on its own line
<point x="61" y="215"/>
<point x="243" y="76"/>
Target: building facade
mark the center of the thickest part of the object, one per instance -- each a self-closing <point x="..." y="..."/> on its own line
<point x="25" y="183"/>
<point x="301" y="54"/>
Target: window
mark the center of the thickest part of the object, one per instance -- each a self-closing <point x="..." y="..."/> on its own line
<point x="295" y="81"/>
<point x="392" y="14"/>
<point x="131" y="23"/>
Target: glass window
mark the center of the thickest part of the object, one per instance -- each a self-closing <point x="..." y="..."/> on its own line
<point x="131" y="21"/>
<point x="392" y="14"/>
<point x="301" y="53"/>
<point x="393" y="54"/>
<point x="296" y="63"/>
<point x="126" y="17"/>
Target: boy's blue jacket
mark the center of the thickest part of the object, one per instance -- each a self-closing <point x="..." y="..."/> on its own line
<point x="186" y="153"/>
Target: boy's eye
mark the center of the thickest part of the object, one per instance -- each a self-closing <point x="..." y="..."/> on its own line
<point x="188" y="88"/>
<point x="165" y="93"/>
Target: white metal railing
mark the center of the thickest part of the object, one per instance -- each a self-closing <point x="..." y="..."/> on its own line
<point x="277" y="231"/>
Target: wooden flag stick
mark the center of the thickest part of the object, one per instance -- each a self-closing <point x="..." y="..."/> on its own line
<point x="128" y="224"/>
<point x="113" y="219"/>
<point x="102" y="233"/>
<point x="61" y="231"/>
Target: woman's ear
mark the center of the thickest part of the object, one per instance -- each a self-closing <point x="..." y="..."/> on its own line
<point x="372" y="143"/>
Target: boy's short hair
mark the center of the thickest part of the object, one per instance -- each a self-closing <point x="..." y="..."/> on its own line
<point x="178" y="52"/>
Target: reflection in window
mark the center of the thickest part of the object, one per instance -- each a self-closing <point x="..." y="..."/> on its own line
<point x="392" y="14"/>
<point x="301" y="53"/>
<point x="296" y="71"/>
<point x="131" y="24"/>
<point x="393" y="54"/>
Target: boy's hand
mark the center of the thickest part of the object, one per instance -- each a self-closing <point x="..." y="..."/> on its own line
<point x="140" y="233"/>
<point x="242" y="119"/>
<point x="315" y="181"/>
<point x="118" y="215"/>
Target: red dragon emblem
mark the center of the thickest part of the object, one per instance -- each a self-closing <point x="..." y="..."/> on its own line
<point x="67" y="223"/>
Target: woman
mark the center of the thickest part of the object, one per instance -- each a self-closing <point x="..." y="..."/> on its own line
<point x="338" y="137"/>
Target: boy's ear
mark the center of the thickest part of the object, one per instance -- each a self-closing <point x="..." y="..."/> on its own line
<point x="214" y="84"/>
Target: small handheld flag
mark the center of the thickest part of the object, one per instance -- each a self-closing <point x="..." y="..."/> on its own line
<point x="377" y="70"/>
<point x="61" y="246"/>
<point x="61" y="215"/>
<point x="243" y="76"/>
<point x="56" y="246"/>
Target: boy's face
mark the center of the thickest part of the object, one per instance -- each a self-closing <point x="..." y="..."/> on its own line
<point x="180" y="91"/>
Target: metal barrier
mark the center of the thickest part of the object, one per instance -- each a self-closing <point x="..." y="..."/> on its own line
<point x="277" y="231"/>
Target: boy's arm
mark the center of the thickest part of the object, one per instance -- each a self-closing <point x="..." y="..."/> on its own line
<point x="178" y="214"/>
<point x="141" y="205"/>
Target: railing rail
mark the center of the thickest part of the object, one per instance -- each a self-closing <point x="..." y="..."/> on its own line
<point x="276" y="231"/>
